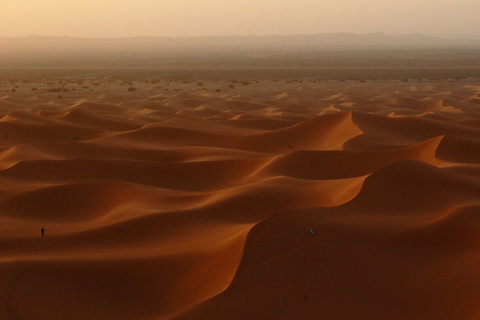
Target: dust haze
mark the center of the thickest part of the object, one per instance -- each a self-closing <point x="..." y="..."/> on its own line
<point x="373" y="55"/>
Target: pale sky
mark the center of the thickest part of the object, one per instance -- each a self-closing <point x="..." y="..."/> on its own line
<point x="179" y="18"/>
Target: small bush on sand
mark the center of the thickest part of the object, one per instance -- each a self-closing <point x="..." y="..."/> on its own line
<point x="58" y="90"/>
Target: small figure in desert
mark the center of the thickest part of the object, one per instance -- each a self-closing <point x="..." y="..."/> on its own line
<point x="43" y="231"/>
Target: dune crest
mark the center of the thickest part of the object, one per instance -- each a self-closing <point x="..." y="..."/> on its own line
<point x="184" y="198"/>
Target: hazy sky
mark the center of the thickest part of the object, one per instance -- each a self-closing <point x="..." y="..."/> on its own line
<point x="126" y="18"/>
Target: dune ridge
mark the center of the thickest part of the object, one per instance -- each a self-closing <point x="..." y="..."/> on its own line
<point x="247" y="199"/>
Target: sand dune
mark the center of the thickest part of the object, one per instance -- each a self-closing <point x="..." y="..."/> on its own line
<point x="307" y="164"/>
<point x="175" y="200"/>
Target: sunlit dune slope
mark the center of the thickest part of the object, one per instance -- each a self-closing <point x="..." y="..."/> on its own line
<point x="407" y="244"/>
<point x="273" y="199"/>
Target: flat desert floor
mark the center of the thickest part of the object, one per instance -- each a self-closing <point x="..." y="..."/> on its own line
<point x="268" y="199"/>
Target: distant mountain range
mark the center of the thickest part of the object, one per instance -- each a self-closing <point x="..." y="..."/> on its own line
<point x="318" y="50"/>
<point x="331" y="41"/>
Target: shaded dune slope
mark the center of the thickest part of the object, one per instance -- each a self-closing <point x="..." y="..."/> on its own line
<point x="179" y="201"/>
<point x="327" y="132"/>
<point x="418" y="233"/>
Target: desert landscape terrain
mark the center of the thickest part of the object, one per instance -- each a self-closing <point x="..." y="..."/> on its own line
<point x="239" y="199"/>
<point x="272" y="182"/>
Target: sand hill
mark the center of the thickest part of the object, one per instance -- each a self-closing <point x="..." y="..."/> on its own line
<point x="198" y="199"/>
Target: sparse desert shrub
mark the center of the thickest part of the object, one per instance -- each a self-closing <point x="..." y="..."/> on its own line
<point x="58" y="90"/>
<point x="199" y="84"/>
<point x="231" y="86"/>
<point x="132" y="89"/>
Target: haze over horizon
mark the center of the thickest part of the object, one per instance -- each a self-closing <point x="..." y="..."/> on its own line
<point x="125" y="18"/>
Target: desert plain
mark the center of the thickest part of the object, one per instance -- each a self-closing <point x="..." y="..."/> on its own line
<point x="171" y="198"/>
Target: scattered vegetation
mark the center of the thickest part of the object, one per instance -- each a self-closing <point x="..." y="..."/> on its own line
<point x="58" y="90"/>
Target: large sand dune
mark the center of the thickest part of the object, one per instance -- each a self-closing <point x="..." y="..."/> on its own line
<point x="185" y="200"/>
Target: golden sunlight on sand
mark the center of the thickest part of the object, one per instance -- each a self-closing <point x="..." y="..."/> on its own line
<point x="176" y="199"/>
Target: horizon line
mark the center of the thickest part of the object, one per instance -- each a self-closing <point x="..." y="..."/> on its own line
<point x="460" y="37"/>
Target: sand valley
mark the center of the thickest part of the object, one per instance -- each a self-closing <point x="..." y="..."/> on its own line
<point x="169" y="198"/>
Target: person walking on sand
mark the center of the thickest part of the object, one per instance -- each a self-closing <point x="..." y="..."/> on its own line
<point x="43" y="231"/>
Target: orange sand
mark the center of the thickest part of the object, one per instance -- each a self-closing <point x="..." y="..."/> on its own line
<point x="186" y="201"/>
